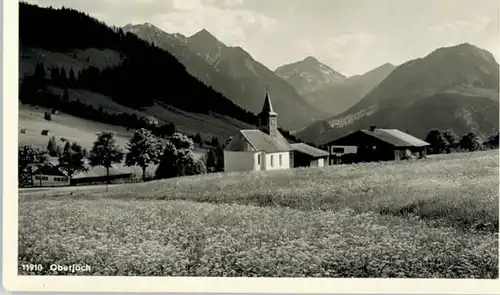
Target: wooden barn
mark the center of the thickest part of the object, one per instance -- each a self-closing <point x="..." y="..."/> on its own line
<point x="305" y="155"/>
<point x="376" y="144"/>
<point x="97" y="175"/>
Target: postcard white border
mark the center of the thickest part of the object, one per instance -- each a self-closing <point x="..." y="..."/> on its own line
<point x="13" y="282"/>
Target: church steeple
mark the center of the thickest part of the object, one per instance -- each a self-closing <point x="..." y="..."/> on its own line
<point x="268" y="118"/>
<point x="268" y="106"/>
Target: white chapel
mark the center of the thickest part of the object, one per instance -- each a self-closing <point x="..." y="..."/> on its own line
<point x="259" y="149"/>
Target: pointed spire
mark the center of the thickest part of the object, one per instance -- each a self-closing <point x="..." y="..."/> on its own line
<point x="268" y="106"/>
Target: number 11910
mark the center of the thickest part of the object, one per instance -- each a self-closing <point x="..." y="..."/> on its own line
<point x="32" y="267"/>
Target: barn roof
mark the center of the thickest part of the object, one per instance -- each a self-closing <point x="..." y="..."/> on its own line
<point x="263" y="142"/>
<point x="100" y="171"/>
<point x="49" y="170"/>
<point x="393" y="137"/>
<point x="309" y="150"/>
<point x="396" y="137"/>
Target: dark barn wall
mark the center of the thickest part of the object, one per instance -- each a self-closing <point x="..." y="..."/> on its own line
<point x="100" y="179"/>
<point x="369" y="149"/>
<point x="301" y="160"/>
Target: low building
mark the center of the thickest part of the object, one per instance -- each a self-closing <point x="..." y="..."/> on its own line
<point x="376" y="144"/>
<point x="305" y="155"/>
<point x="49" y="175"/>
<point x="259" y="149"/>
<point x="97" y="175"/>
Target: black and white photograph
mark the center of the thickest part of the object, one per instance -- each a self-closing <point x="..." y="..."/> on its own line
<point x="338" y="140"/>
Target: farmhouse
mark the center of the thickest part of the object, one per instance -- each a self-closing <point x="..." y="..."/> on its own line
<point x="376" y="144"/>
<point x="308" y="156"/>
<point x="49" y="175"/>
<point x="259" y="149"/>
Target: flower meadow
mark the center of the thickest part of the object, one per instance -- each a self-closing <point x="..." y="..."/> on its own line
<point x="434" y="218"/>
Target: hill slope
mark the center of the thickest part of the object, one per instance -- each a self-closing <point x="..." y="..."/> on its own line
<point x="453" y="87"/>
<point x="233" y="72"/>
<point x="112" y="65"/>
<point x="309" y="75"/>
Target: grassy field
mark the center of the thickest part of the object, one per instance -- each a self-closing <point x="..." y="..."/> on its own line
<point x="431" y="218"/>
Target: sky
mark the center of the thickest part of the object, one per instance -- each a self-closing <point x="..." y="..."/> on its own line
<point x="351" y="36"/>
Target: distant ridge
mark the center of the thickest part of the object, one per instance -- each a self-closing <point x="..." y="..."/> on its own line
<point x="234" y="72"/>
<point x="309" y="75"/>
<point x="453" y="88"/>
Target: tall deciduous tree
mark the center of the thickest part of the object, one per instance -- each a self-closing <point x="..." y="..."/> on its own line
<point x="30" y="158"/>
<point x="178" y="158"/>
<point x="105" y="152"/>
<point x="143" y="149"/>
<point x="72" y="159"/>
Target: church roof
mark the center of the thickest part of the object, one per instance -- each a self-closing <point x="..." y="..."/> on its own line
<point x="260" y="142"/>
<point x="265" y="143"/>
<point x="267" y="108"/>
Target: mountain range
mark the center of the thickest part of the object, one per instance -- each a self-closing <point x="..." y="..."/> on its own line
<point x="327" y="89"/>
<point x="453" y="88"/>
<point x="203" y="85"/>
<point x="233" y="72"/>
<point x="309" y="75"/>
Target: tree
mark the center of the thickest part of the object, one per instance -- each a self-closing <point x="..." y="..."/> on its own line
<point x="178" y="158"/>
<point x="214" y="141"/>
<point x="63" y="77"/>
<point x="55" y="76"/>
<point x="214" y="159"/>
<point x="29" y="158"/>
<point x="52" y="148"/>
<point x="493" y="141"/>
<point x="72" y="159"/>
<point x="143" y="149"/>
<point x="105" y="152"/>
<point x="168" y="166"/>
<point x="47" y="116"/>
<point x="197" y="138"/>
<point x="181" y="141"/>
<point x="189" y="164"/>
<point x="452" y="140"/>
<point x="39" y="76"/>
<point x="437" y="141"/>
<point x="470" y="142"/>
<point x="72" y="78"/>
<point x="65" y="96"/>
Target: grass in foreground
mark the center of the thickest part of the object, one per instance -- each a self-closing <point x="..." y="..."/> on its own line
<point x="434" y="218"/>
<point x="181" y="238"/>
